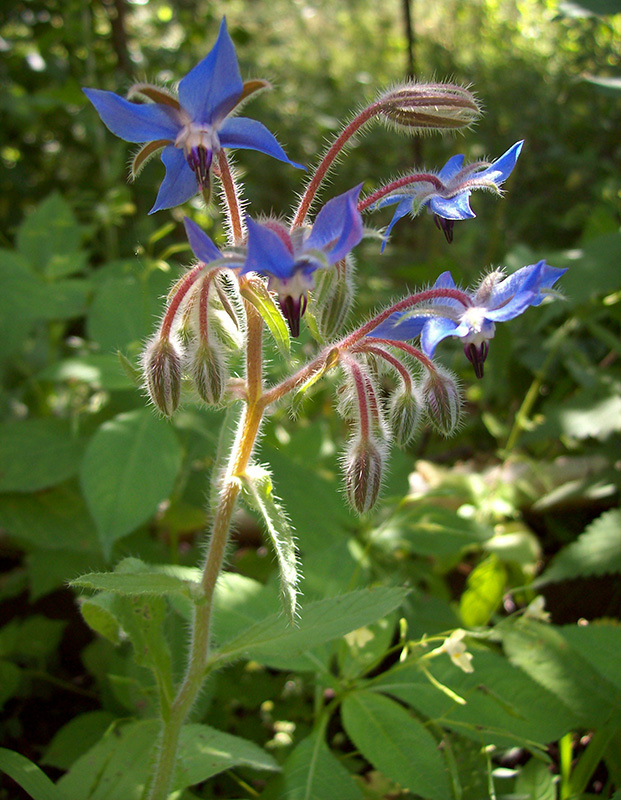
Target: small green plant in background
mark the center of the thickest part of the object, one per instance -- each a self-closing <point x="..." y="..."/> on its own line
<point x="420" y="659"/>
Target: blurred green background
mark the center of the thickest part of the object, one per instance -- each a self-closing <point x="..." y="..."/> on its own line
<point x="83" y="270"/>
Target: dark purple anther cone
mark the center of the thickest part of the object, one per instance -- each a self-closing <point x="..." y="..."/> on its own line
<point x="476" y="355"/>
<point x="293" y="309"/>
<point x="199" y="160"/>
<point x="445" y="225"/>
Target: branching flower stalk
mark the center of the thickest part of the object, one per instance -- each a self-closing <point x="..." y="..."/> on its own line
<point x="264" y="280"/>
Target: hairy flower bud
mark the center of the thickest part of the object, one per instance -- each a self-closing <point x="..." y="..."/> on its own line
<point x="419" y="107"/>
<point x="333" y="298"/>
<point x="405" y="415"/>
<point x="442" y="400"/>
<point x="161" y="364"/>
<point x="207" y="368"/>
<point x="363" y="473"/>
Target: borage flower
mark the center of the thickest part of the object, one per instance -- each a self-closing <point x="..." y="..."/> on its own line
<point x="446" y="194"/>
<point x="287" y="258"/>
<point x="473" y="317"/>
<point x="191" y="129"/>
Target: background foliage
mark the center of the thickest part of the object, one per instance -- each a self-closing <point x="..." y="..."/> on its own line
<point x="524" y="501"/>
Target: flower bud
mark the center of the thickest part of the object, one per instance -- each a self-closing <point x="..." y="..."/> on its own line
<point x="207" y="368"/>
<point x="405" y="415"/>
<point x="420" y="107"/>
<point x="161" y="364"/>
<point x="442" y="400"/>
<point x="333" y="298"/>
<point x="363" y="473"/>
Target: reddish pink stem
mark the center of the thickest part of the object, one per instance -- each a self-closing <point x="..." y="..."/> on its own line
<point x="185" y="285"/>
<point x="361" y="391"/>
<point x="378" y="351"/>
<point x="408" y="348"/>
<point x="326" y="162"/>
<point x="420" y="177"/>
<point x="402" y="305"/>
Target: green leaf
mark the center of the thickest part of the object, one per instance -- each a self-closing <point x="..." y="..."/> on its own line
<point x="51" y="520"/>
<point x="117" y="766"/>
<point x="544" y="653"/>
<point x="258" y="295"/>
<point x="18" y="307"/>
<point x="272" y="641"/>
<point x="138" y="583"/>
<point x="535" y="782"/>
<point x="50" y="238"/>
<point x="312" y="772"/>
<point x="76" y="737"/>
<point x="36" y="454"/>
<point x="600" y="644"/>
<point x="32" y="779"/>
<point x="98" y="613"/>
<point x="98" y="370"/>
<point x="434" y="531"/>
<point x="596" y="552"/>
<point x="484" y="591"/>
<point x="258" y="491"/>
<point x="10" y="676"/>
<point x="504" y="706"/>
<point x="129" y="467"/>
<point x="396" y="743"/>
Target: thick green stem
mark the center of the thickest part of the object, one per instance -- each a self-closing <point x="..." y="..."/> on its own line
<point x="159" y="786"/>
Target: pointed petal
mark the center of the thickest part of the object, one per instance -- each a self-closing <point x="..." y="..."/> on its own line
<point x="445" y="281"/>
<point x="179" y="183"/>
<point x="500" y="170"/>
<point x="547" y="278"/>
<point x="457" y="207"/>
<point x="134" y="122"/>
<point x="267" y="253"/>
<point x="452" y="167"/>
<point x="338" y="227"/>
<point x="248" y="134"/>
<point x="399" y="329"/>
<point x="211" y="89"/>
<point x="516" y="306"/>
<point x="204" y="249"/>
<point x="404" y="208"/>
<point x="436" y="329"/>
<point x="525" y="279"/>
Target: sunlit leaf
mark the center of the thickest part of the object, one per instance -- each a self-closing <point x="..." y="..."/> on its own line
<point x="258" y="295"/>
<point x="396" y="743"/>
<point x="32" y="779"/>
<point x="258" y="490"/>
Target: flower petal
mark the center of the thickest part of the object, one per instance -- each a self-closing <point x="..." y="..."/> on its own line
<point x="204" y="249"/>
<point x="500" y="170"/>
<point x="436" y="329"/>
<point x="267" y="253"/>
<point x="179" y="183"/>
<point x="457" y="207"/>
<point x="525" y="279"/>
<point x="134" y="122"/>
<point x="338" y="227"/>
<point x="452" y="167"/>
<point x="248" y="134"/>
<point x="404" y="208"/>
<point x="399" y="329"/>
<point x="212" y="88"/>
<point x="513" y="308"/>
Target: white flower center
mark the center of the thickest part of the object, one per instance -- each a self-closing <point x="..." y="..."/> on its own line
<point x="195" y="135"/>
<point x="481" y="329"/>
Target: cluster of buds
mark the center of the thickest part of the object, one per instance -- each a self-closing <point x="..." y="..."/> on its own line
<point x="203" y="325"/>
<point x="424" y="393"/>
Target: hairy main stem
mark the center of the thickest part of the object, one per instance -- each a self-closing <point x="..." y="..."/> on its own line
<point x="328" y="160"/>
<point x="166" y="758"/>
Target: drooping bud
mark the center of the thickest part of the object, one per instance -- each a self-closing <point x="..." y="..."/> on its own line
<point x="226" y="316"/>
<point x="440" y="393"/>
<point x="363" y="473"/>
<point x="161" y="365"/>
<point x="405" y="415"/>
<point x="419" y="107"/>
<point x="207" y="368"/>
<point x="333" y="298"/>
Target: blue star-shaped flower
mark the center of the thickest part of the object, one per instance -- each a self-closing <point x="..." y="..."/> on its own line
<point x="449" y="200"/>
<point x="289" y="259"/>
<point x="497" y="299"/>
<point x="191" y="129"/>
